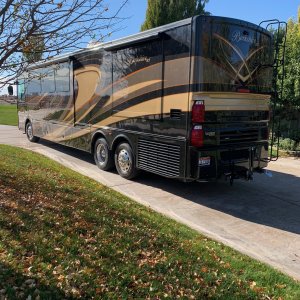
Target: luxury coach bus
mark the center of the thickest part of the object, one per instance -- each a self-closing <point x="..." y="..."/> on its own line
<point x="188" y="100"/>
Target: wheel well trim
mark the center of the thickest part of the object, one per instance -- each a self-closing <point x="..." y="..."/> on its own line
<point x="115" y="142"/>
<point x="118" y="139"/>
<point x="28" y="120"/>
<point x="94" y="137"/>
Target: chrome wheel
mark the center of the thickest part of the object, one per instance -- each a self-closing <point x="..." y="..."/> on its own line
<point x="124" y="161"/>
<point x="101" y="154"/>
<point x="29" y="131"/>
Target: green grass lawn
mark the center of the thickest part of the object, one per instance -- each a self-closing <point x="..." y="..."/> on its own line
<point x="63" y="235"/>
<point x="8" y="115"/>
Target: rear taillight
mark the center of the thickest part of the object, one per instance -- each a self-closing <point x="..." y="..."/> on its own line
<point x="197" y="136"/>
<point x="243" y="90"/>
<point x="198" y="111"/>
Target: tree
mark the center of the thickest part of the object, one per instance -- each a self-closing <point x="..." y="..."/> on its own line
<point x="287" y="109"/>
<point x="33" y="48"/>
<point x="32" y="29"/>
<point x="291" y="83"/>
<point x="161" y="12"/>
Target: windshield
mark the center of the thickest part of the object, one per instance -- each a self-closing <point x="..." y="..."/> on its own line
<point x="233" y="55"/>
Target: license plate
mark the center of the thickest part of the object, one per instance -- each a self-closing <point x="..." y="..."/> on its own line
<point x="204" y="161"/>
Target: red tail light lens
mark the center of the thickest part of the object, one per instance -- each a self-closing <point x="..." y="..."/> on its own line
<point x="198" y="111"/>
<point x="243" y="90"/>
<point x="197" y="136"/>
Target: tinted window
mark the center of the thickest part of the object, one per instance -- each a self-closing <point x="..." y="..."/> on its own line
<point x="62" y="77"/>
<point x="34" y="83"/>
<point x="231" y="55"/>
<point x="177" y="57"/>
<point x="240" y="50"/>
<point x="177" y="42"/>
<point x="131" y="67"/>
<point x="47" y="80"/>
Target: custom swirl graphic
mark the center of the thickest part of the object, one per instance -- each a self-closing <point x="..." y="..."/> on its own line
<point x="243" y="65"/>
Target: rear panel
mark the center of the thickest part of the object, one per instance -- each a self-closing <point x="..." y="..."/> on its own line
<point x="232" y="74"/>
<point x="231" y="55"/>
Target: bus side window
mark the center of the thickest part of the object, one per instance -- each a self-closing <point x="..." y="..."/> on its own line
<point x="34" y="83"/>
<point x="137" y="74"/>
<point x="176" y="75"/>
<point x="62" y="77"/>
<point x="47" y="80"/>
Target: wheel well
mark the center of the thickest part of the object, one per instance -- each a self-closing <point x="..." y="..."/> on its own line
<point x="95" y="138"/>
<point x="118" y="141"/>
<point x="26" y="122"/>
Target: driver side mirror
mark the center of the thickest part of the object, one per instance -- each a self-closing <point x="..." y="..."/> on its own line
<point x="10" y="90"/>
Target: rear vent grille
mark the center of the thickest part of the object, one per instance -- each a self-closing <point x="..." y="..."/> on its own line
<point x="175" y="114"/>
<point x="160" y="158"/>
<point x="238" y="136"/>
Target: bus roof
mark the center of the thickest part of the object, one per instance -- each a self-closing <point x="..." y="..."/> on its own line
<point x="140" y="36"/>
<point x="137" y="37"/>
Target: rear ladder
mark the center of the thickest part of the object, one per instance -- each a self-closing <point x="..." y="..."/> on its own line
<point x="278" y="77"/>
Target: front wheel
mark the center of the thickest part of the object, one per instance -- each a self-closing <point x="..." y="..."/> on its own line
<point x="29" y="132"/>
<point x="102" y="155"/>
<point x="125" y="162"/>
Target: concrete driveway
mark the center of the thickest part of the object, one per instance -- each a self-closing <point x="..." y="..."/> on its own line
<point x="259" y="218"/>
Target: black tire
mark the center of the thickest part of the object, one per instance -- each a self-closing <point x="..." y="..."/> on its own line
<point x="102" y="155"/>
<point x="29" y="132"/>
<point x="125" y="161"/>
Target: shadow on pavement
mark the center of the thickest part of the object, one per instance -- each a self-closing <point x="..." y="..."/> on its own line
<point x="85" y="156"/>
<point x="273" y="202"/>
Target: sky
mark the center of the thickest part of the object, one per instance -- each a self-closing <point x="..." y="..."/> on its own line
<point x="253" y="11"/>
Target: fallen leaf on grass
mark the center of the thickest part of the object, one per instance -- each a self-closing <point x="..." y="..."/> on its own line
<point x="280" y="286"/>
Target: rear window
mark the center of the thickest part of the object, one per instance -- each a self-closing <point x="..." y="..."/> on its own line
<point x="235" y="55"/>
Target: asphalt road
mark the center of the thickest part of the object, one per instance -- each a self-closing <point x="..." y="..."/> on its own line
<point x="259" y="218"/>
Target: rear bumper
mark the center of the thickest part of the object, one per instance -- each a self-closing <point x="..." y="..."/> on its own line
<point x="212" y="164"/>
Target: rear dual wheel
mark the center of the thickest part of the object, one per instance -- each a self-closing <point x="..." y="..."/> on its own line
<point x="123" y="158"/>
<point x="125" y="161"/>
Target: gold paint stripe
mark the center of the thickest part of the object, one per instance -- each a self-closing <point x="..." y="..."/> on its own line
<point x="228" y="95"/>
<point x="233" y="101"/>
<point x="236" y="107"/>
<point x="119" y="97"/>
<point x="109" y="104"/>
<point x="172" y="101"/>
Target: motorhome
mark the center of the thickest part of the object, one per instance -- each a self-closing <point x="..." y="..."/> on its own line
<point x="189" y="100"/>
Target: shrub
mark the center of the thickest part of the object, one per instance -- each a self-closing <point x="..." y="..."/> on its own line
<point x="288" y="144"/>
